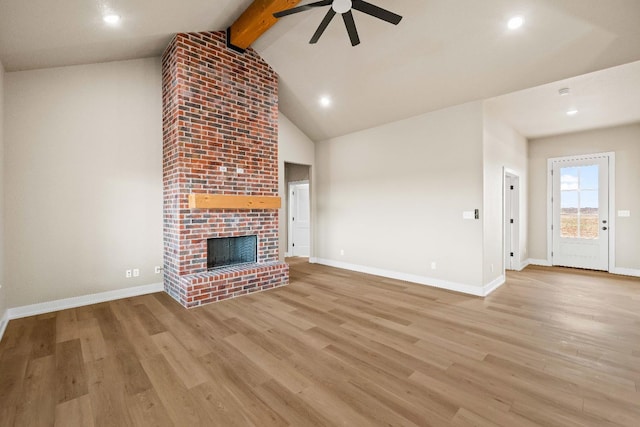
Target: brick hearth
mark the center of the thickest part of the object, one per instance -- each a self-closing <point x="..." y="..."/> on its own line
<point x="220" y="110"/>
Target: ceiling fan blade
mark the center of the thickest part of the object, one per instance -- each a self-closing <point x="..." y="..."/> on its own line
<point x="351" y="28"/>
<point x="376" y="11"/>
<point x="302" y="8"/>
<point x="323" y="26"/>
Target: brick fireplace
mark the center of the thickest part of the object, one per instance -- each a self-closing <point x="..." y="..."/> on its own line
<point x="220" y="137"/>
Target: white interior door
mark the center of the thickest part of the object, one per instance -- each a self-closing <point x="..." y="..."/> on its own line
<point x="580" y="204"/>
<point x="300" y="244"/>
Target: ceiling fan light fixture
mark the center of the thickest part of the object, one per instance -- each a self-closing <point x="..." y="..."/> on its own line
<point x="341" y="6"/>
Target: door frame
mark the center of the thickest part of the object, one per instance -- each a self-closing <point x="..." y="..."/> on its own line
<point x="515" y="237"/>
<point x="290" y="216"/>
<point x="612" y="202"/>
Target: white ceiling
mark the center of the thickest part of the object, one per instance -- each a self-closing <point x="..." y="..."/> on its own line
<point x="603" y="98"/>
<point x="51" y="33"/>
<point x="444" y="52"/>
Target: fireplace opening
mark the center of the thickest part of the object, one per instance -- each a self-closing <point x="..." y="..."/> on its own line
<point x="225" y="251"/>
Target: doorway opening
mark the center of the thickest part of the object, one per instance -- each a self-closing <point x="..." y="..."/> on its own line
<point x="298" y="208"/>
<point x="511" y="215"/>
<point x="581" y="232"/>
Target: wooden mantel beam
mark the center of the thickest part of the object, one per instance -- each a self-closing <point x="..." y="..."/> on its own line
<point x="254" y="21"/>
<point x="229" y="201"/>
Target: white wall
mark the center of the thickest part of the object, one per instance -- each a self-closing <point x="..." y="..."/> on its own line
<point x="3" y="292"/>
<point x="392" y="197"/>
<point x="625" y="142"/>
<point x="503" y="148"/>
<point x="293" y="147"/>
<point x="83" y="179"/>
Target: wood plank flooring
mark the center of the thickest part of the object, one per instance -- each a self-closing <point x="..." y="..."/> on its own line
<point x="552" y="347"/>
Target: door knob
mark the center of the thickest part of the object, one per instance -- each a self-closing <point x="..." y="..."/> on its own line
<point x="604" y="228"/>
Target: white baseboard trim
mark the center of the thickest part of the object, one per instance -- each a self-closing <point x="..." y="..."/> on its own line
<point x="73" y="302"/>
<point x="4" y="321"/>
<point x="287" y="254"/>
<point x="480" y="291"/>
<point x="493" y="285"/>
<point x="626" y="271"/>
<point x="523" y="264"/>
<point x="542" y="262"/>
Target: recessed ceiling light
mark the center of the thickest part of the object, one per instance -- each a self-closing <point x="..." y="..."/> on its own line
<point x="325" y="101"/>
<point x="564" y="91"/>
<point x="572" y="112"/>
<point x="111" y="19"/>
<point x="515" y="22"/>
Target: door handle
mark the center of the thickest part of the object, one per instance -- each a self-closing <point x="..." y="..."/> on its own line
<point x="604" y="228"/>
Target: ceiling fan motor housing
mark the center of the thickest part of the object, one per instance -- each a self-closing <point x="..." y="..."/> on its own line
<point x="341" y="6"/>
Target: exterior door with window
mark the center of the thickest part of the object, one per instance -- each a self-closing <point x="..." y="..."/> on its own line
<point x="581" y="213"/>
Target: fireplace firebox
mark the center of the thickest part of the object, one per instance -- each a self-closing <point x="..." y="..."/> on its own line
<point x="226" y="251"/>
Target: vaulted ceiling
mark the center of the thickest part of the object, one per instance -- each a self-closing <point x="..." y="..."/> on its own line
<point x="444" y="52"/>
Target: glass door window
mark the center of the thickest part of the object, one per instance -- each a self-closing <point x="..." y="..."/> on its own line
<point x="579" y="207"/>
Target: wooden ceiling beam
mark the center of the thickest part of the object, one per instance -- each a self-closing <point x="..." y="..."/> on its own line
<point x="254" y="21"/>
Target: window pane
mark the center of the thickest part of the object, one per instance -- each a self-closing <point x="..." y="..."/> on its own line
<point x="589" y="199"/>
<point x="569" y="225"/>
<point x="569" y="214"/>
<point x="589" y="177"/>
<point x="569" y="200"/>
<point x="589" y="214"/>
<point x="588" y="226"/>
<point x="569" y="178"/>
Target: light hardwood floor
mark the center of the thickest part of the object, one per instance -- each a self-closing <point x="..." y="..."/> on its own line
<point x="555" y="347"/>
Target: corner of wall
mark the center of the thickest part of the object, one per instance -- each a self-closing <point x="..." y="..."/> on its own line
<point x="3" y="294"/>
<point x="293" y="147"/>
<point x="503" y="149"/>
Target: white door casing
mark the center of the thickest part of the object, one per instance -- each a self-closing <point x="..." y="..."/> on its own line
<point x="299" y="219"/>
<point x="580" y="207"/>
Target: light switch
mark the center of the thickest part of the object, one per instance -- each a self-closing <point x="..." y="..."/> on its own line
<point x="624" y="213"/>
<point x="468" y="215"/>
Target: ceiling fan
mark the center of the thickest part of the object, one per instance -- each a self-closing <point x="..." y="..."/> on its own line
<point x="343" y="7"/>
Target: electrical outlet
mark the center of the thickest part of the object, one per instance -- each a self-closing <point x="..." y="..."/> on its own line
<point x="136" y="272"/>
<point x="240" y="170"/>
<point x="157" y="270"/>
<point x="433" y="265"/>
<point x="223" y="168"/>
<point x="341" y="251"/>
<point x="128" y="274"/>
